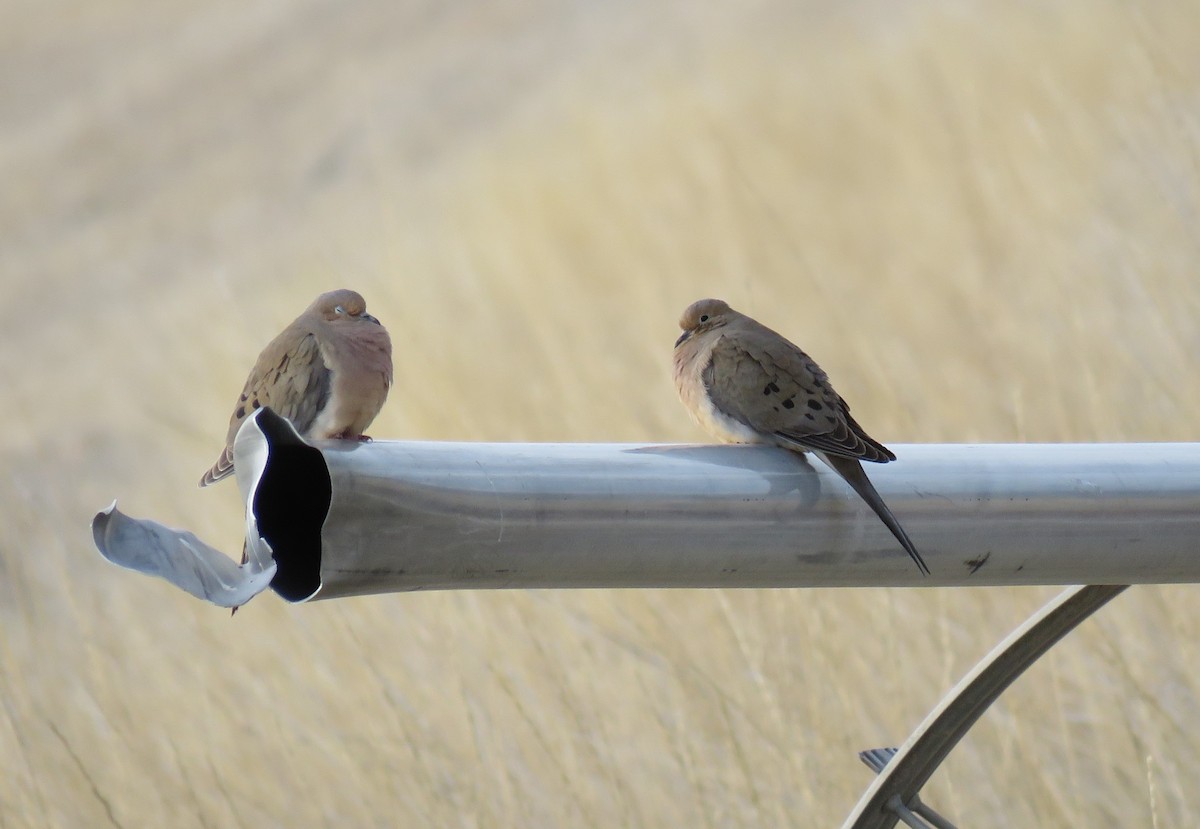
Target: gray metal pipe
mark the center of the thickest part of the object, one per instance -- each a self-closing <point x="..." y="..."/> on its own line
<point x="348" y="519"/>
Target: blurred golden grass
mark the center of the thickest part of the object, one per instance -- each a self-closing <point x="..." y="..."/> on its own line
<point x="981" y="220"/>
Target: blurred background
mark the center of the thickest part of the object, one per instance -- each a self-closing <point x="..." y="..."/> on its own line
<point x="980" y="218"/>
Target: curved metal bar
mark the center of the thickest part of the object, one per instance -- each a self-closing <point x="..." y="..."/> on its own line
<point x="915" y="762"/>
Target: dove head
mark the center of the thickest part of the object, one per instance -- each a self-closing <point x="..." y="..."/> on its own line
<point x="342" y="306"/>
<point x="701" y="316"/>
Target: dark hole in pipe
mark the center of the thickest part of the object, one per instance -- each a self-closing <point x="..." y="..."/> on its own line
<point x="291" y="504"/>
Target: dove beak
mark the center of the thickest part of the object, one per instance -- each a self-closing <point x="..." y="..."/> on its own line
<point x="682" y="338"/>
<point x="370" y="318"/>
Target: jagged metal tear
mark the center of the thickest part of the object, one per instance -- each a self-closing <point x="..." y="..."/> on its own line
<point x="183" y="559"/>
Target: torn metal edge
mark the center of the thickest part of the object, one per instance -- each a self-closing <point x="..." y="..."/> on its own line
<point x="180" y="557"/>
<point x="183" y="559"/>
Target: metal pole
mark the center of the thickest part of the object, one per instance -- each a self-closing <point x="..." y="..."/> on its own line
<point x="348" y="519"/>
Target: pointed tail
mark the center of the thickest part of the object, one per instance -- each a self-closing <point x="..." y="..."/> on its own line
<point x="852" y="473"/>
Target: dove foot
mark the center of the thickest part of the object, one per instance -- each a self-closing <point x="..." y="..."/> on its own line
<point x="348" y="436"/>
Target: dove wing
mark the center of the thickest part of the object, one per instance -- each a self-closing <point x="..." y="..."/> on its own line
<point x="768" y="383"/>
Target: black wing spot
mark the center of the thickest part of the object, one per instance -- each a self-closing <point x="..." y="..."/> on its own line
<point x="241" y="412"/>
<point x="770" y="387"/>
<point x="809" y="416"/>
<point x="255" y="405"/>
<point x="831" y="418"/>
<point x="789" y="404"/>
<point x="815" y="405"/>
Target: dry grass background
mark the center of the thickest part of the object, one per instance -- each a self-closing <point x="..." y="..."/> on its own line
<point x="980" y="218"/>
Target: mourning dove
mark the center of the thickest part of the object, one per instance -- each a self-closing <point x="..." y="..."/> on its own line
<point x="744" y="383"/>
<point x="328" y="373"/>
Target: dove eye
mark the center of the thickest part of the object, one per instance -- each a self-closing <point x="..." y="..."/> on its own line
<point x="339" y="310"/>
<point x="704" y="318"/>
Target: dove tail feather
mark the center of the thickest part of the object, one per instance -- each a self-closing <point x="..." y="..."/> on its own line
<point x="223" y="468"/>
<point x="852" y="473"/>
<point x="873" y="450"/>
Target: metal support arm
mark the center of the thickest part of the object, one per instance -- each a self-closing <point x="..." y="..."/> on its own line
<point x="903" y="772"/>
